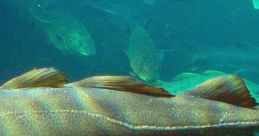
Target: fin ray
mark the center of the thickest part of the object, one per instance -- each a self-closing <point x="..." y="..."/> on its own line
<point x="122" y="83"/>
<point x="44" y="77"/>
<point x="229" y="89"/>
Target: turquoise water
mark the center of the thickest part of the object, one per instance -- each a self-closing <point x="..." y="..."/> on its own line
<point x="173" y="44"/>
<point x="194" y="36"/>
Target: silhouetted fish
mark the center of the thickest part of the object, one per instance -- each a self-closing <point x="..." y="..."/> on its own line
<point x="111" y="105"/>
<point x="64" y="31"/>
<point x="145" y="59"/>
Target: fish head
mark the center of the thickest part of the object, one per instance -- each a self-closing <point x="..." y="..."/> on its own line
<point x="65" y="32"/>
<point x="81" y="43"/>
<point x="72" y="41"/>
<point x="76" y="41"/>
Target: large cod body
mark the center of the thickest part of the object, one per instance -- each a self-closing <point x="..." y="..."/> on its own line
<point x="90" y="108"/>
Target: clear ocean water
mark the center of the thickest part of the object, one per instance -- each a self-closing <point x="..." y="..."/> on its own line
<point x="196" y="35"/>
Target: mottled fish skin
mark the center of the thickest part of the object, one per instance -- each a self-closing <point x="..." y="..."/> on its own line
<point x="64" y="31"/>
<point x="83" y="111"/>
<point x="144" y="57"/>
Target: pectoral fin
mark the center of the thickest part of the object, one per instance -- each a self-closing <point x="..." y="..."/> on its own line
<point x="44" y="77"/>
<point x="229" y="89"/>
<point x="122" y="83"/>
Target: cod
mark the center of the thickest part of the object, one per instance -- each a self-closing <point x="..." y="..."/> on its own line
<point x="144" y="57"/>
<point x="41" y="102"/>
<point x="64" y="31"/>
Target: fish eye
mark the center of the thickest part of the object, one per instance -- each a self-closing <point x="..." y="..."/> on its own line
<point x="39" y="4"/>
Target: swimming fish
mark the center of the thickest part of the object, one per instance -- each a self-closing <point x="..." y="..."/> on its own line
<point x="64" y="31"/>
<point x="111" y="105"/>
<point x="145" y="59"/>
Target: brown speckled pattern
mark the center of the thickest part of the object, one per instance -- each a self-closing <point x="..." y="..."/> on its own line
<point x="86" y="111"/>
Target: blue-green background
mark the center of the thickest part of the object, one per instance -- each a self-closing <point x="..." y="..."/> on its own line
<point x="184" y="27"/>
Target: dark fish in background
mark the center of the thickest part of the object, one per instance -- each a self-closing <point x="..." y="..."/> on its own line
<point x="112" y="105"/>
<point x="62" y="28"/>
<point x="64" y="31"/>
<point x="145" y="59"/>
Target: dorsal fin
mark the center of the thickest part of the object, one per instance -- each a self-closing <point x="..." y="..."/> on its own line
<point x="44" y="77"/>
<point x="122" y="83"/>
<point x="229" y="89"/>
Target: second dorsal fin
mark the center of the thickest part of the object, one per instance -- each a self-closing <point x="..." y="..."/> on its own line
<point x="44" y="77"/>
<point x="229" y="89"/>
<point x="122" y="83"/>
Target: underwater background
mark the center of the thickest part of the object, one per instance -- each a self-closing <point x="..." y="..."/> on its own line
<point x="180" y="36"/>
